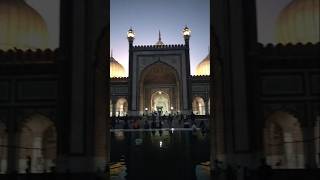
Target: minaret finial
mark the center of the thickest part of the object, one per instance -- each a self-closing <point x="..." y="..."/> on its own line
<point x="159" y="35"/>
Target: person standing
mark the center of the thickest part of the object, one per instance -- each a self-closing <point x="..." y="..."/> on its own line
<point x="264" y="170"/>
<point x="28" y="169"/>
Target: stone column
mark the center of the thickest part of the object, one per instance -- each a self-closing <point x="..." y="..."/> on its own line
<point x="206" y="105"/>
<point x="114" y="103"/>
<point x="37" y="156"/>
<point x="3" y="154"/>
<point x="309" y="147"/>
<point x="317" y="141"/>
<point x="289" y="150"/>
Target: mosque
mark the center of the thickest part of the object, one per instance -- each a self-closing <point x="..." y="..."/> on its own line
<point x="159" y="80"/>
<point x="260" y="100"/>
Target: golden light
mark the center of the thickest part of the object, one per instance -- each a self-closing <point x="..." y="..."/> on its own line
<point x="116" y="69"/>
<point x="203" y="68"/>
<point x="130" y="33"/>
<point x="186" y="31"/>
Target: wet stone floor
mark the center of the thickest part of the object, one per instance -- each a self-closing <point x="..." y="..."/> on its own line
<point x="167" y="154"/>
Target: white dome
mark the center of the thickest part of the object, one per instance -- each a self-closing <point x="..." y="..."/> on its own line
<point x="203" y="68"/>
<point x="22" y="27"/>
<point x="116" y="69"/>
<point x="299" y="22"/>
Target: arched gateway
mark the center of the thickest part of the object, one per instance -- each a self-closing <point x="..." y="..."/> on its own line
<point x="159" y="89"/>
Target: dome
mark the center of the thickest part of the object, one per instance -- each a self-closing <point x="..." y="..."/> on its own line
<point x="299" y="22"/>
<point x="21" y="26"/>
<point x="203" y="67"/>
<point x="116" y="69"/>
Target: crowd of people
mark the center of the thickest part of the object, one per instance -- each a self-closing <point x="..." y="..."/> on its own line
<point x="158" y="121"/>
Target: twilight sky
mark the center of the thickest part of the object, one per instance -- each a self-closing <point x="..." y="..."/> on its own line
<point x="147" y="17"/>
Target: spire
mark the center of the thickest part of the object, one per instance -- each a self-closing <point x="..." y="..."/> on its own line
<point x="159" y="40"/>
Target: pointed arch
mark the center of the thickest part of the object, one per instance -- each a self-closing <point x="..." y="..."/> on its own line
<point x="283" y="141"/>
<point x="37" y="144"/>
<point x="121" y="107"/>
<point x="198" y="106"/>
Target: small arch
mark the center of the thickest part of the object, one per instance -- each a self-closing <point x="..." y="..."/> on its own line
<point x="198" y="106"/>
<point x="121" y="107"/>
<point x="160" y="99"/>
<point x="283" y="141"/>
<point x="37" y="145"/>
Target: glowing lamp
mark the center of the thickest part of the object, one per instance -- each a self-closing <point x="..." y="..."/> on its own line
<point x="130" y="34"/>
<point x="186" y="32"/>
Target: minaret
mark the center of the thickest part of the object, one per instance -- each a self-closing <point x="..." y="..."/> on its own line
<point x="186" y="35"/>
<point x="159" y="40"/>
<point x="130" y="37"/>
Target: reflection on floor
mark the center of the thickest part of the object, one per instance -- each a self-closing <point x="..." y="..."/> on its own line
<point x="168" y="154"/>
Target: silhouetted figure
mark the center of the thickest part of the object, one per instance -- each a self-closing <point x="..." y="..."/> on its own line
<point x="279" y="163"/>
<point x="113" y="122"/>
<point x="181" y="119"/>
<point x="126" y="125"/>
<point x="136" y="124"/>
<point x="230" y="173"/>
<point x="170" y="120"/>
<point x="146" y="125"/>
<point x="202" y="127"/>
<point x="160" y="124"/>
<point x="153" y="124"/>
<point x="28" y="169"/>
<point x="153" y="117"/>
<point x="192" y="117"/>
<point x="217" y="171"/>
<point x="264" y="170"/>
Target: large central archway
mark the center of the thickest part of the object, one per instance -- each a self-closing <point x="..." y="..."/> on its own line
<point x="160" y="100"/>
<point x="157" y="81"/>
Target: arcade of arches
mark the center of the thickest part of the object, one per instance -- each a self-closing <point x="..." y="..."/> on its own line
<point x="36" y="145"/>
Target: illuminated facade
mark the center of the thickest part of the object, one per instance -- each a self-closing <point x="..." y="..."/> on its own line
<point x="160" y="80"/>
